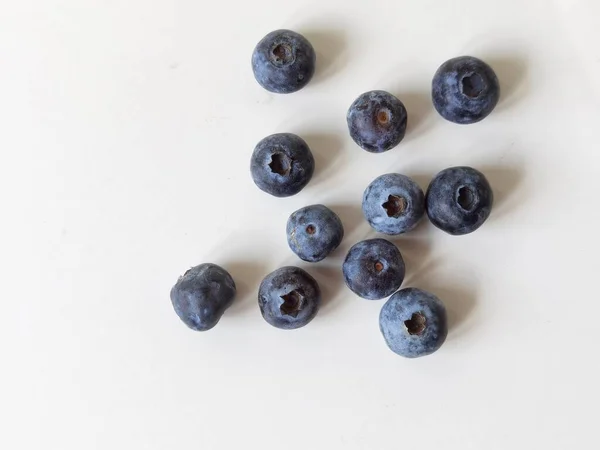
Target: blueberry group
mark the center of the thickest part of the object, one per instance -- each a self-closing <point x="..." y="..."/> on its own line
<point x="393" y="204"/>
<point x="413" y="323"/>
<point x="373" y="269"/>
<point x="459" y="200"/>
<point x="282" y="164"/>
<point x="465" y="90"/>
<point x="377" y="121"/>
<point x="201" y="296"/>
<point x="313" y="232"/>
<point x="289" y="298"/>
<point x="283" y="62"/>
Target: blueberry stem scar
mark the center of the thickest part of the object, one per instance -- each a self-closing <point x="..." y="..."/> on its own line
<point x="395" y="206"/>
<point x="293" y="302"/>
<point x="416" y="324"/>
<point x="280" y="164"/>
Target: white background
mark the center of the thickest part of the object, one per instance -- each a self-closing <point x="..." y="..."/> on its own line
<point x="126" y="129"/>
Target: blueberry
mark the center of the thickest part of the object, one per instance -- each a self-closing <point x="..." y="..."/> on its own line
<point x="289" y="298"/>
<point x="373" y="269"/>
<point x="201" y="296"/>
<point x="393" y="204"/>
<point x="459" y="200"/>
<point x="413" y="323"/>
<point x="283" y="62"/>
<point x="282" y="164"/>
<point x="313" y="232"/>
<point x="377" y="121"/>
<point x="465" y="90"/>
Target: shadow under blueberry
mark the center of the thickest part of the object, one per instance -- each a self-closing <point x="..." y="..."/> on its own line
<point x="352" y="218"/>
<point x="330" y="48"/>
<point x="419" y="109"/>
<point x="506" y="182"/>
<point x="247" y="276"/>
<point x="331" y="282"/>
<point x="326" y="149"/>
<point x="512" y="76"/>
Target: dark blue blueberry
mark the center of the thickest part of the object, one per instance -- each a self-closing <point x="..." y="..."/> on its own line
<point x="393" y="204"/>
<point x="313" y="232"/>
<point x="373" y="269"/>
<point x="283" y="62"/>
<point x="413" y="323"/>
<point x="201" y="296"/>
<point x="465" y="90"/>
<point x="459" y="200"/>
<point x="289" y="298"/>
<point x="282" y="164"/>
<point x="377" y="121"/>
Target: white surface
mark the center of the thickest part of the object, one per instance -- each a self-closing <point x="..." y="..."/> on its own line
<point x="126" y="130"/>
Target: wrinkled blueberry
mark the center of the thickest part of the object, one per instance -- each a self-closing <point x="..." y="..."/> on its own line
<point x="459" y="200"/>
<point x="289" y="298"/>
<point x="282" y="164"/>
<point x="393" y="204"/>
<point x="313" y="232"/>
<point x="283" y="62"/>
<point x="465" y="90"/>
<point x="377" y="121"/>
<point x="373" y="269"/>
<point x="413" y="323"/>
<point x="201" y="296"/>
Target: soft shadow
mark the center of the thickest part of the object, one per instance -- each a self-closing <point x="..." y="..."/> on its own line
<point x="331" y="282"/>
<point x="330" y="47"/>
<point x="326" y="149"/>
<point x="351" y="216"/>
<point x="512" y="75"/>
<point x="416" y="253"/>
<point x="419" y="108"/>
<point x="247" y="276"/>
<point x="505" y="182"/>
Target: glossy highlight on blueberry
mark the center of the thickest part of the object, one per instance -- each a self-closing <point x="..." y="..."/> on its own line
<point x="393" y="204"/>
<point x="413" y="323"/>
<point x="465" y="90"/>
<point x="201" y="296"/>
<point x="373" y="269"/>
<point x="459" y="200"/>
<point x="282" y="164"/>
<point x="283" y="62"/>
<point x="289" y="298"/>
<point x="377" y="121"/>
<point x="313" y="232"/>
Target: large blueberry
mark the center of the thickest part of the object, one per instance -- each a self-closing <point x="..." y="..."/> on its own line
<point x="201" y="296"/>
<point x="413" y="323"/>
<point x="459" y="200"/>
<point x="282" y="164"/>
<point x="393" y="203"/>
<point x="289" y="298"/>
<point x="283" y="62"/>
<point x="377" y="121"/>
<point x="373" y="269"/>
<point x="465" y="90"/>
<point x="313" y="232"/>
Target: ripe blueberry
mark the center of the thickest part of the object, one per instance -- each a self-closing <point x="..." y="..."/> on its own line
<point x="283" y="62"/>
<point x="313" y="232"/>
<point x="289" y="298"/>
<point x="201" y="296"/>
<point x="459" y="200"/>
<point x="413" y="323"/>
<point x="373" y="269"/>
<point x="465" y="90"/>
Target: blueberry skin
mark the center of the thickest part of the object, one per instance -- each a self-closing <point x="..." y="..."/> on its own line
<point x="313" y="232"/>
<point x="201" y="296"/>
<point x="459" y="200"/>
<point x="393" y="204"/>
<point x="373" y="269"/>
<point x="377" y="121"/>
<point x="413" y="323"/>
<point x="465" y="90"/>
<point x="282" y="164"/>
<point x="289" y="298"/>
<point x="283" y="62"/>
